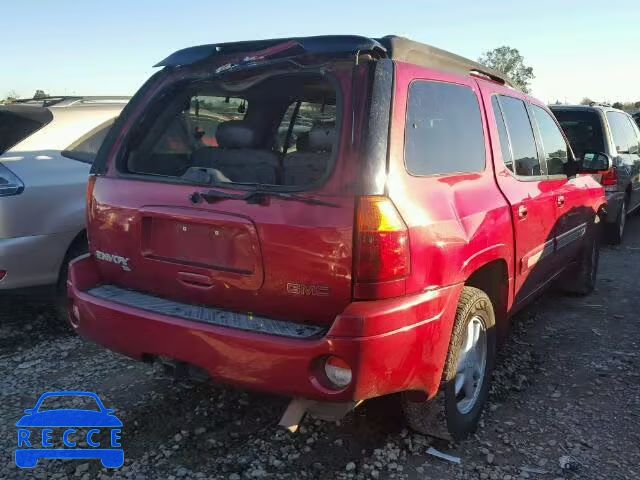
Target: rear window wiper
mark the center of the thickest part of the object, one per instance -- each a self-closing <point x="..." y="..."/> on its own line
<point x="256" y="196"/>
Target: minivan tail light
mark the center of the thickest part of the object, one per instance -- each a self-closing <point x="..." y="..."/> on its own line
<point x="610" y="178"/>
<point x="90" y="186"/>
<point x="10" y="184"/>
<point x="382" y="242"/>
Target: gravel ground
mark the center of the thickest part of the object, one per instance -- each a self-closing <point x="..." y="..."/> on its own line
<point x="565" y="403"/>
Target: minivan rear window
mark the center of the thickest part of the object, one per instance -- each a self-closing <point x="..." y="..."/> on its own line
<point x="583" y="130"/>
<point x="18" y="122"/>
<point x="280" y="131"/>
<point x="444" y="132"/>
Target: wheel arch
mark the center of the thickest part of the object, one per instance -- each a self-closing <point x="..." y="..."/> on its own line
<point x="493" y="278"/>
<point x="78" y="241"/>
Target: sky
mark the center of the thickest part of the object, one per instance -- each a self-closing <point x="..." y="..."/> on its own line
<point x="107" y="47"/>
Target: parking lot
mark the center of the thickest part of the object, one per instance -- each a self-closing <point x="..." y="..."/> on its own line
<point x="565" y="403"/>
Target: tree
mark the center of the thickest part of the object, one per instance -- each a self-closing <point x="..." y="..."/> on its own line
<point x="510" y="62"/>
<point x="586" y="101"/>
<point x="39" y="94"/>
<point x="636" y="105"/>
<point x="618" y="105"/>
<point x="12" y="96"/>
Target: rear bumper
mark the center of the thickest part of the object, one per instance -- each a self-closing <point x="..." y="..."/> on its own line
<point x="391" y="345"/>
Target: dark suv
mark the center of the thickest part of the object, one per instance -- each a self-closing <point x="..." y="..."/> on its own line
<point x="613" y="132"/>
<point x="332" y="219"/>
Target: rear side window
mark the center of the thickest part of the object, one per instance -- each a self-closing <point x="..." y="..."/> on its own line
<point x="624" y="135"/>
<point x="86" y="147"/>
<point x="444" y="131"/>
<point x="14" y="127"/>
<point x="583" y="129"/>
<point x="522" y="140"/>
<point x="556" y="153"/>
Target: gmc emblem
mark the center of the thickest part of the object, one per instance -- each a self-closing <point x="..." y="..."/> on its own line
<point x="307" y="290"/>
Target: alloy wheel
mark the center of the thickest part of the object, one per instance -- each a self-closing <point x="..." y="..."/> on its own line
<point x="472" y="363"/>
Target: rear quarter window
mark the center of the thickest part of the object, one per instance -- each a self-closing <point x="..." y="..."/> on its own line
<point x="86" y="147"/>
<point x="444" y="133"/>
<point x="14" y="127"/>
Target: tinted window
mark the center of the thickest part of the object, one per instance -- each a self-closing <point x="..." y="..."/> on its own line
<point x="583" y="129"/>
<point x="555" y="149"/>
<point x="14" y="127"/>
<point x="507" y="158"/>
<point x="444" y="130"/>
<point x="86" y="147"/>
<point x="624" y="137"/>
<point x="523" y="143"/>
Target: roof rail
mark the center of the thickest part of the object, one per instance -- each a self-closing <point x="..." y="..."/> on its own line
<point x="47" y="101"/>
<point x="68" y="100"/>
<point x="405" y="50"/>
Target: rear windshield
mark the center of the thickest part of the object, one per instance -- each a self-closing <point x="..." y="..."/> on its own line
<point x="583" y="129"/>
<point x="278" y="131"/>
<point x="15" y="127"/>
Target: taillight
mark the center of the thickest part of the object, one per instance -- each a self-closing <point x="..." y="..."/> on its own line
<point x="610" y="178"/>
<point x="10" y="184"/>
<point x="90" y="186"/>
<point x="382" y="242"/>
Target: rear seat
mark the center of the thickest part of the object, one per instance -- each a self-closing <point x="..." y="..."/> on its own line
<point x="309" y="162"/>
<point x="238" y="156"/>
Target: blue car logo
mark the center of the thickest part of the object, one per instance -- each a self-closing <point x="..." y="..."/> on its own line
<point x="32" y="446"/>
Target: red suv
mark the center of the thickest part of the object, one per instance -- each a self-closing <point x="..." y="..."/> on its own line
<point x="332" y="219"/>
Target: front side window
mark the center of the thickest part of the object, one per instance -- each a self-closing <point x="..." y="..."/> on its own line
<point x="444" y="131"/>
<point x="523" y="142"/>
<point x="86" y="147"/>
<point x="279" y="131"/>
<point x="556" y="153"/>
<point x="583" y="129"/>
<point x="624" y="136"/>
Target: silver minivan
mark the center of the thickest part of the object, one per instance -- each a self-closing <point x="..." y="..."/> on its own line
<point x="46" y="150"/>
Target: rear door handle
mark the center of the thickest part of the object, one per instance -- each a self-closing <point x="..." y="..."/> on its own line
<point x="561" y="200"/>
<point x="522" y="212"/>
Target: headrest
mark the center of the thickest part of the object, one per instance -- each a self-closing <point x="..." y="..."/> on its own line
<point x="236" y="134"/>
<point x="321" y="138"/>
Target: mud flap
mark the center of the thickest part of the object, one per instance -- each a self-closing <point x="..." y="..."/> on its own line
<point x="428" y="417"/>
<point x="298" y="407"/>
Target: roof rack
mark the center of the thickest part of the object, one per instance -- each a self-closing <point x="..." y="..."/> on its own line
<point x="391" y="46"/>
<point x="47" y="101"/>
<point x="68" y="100"/>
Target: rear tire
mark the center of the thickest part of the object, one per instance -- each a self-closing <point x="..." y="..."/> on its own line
<point x="582" y="281"/>
<point x="77" y="248"/>
<point x="466" y="376"/>
<point x="615" y="231"/>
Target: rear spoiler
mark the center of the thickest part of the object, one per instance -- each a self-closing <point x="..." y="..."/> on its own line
<point x="263" y="49"/>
